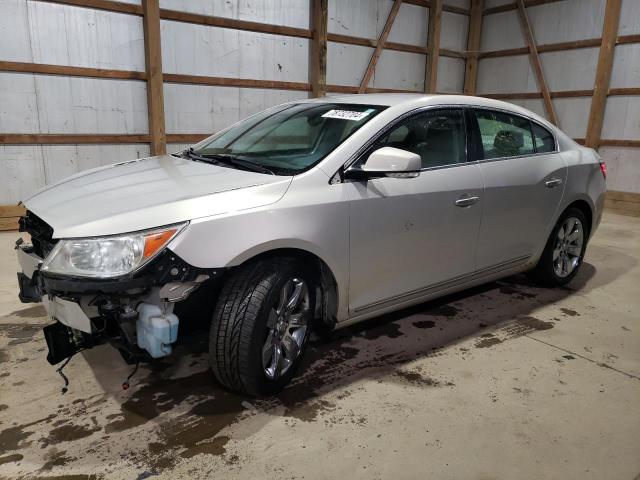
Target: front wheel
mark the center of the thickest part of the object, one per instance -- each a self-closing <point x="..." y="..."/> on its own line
<point x="563" y="254"/>
<point x="261" y="326"/>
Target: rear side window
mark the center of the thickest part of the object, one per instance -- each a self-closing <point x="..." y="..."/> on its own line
<point x="543" y="139"/>
<point x="504" y="135"/>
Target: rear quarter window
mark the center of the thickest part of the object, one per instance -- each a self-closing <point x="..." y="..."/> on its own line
<point x="543" y="139"/>
<point x="504" y="135"/>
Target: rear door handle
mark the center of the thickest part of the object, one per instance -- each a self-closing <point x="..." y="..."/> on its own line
<point x="466" y="201"/>
<point x="554" y="182"/>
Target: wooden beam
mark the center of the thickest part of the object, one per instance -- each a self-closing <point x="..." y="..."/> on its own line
<point x="46" y="69"/>
<point x="550" y="47"/>
<point x="473" y="47"/>
<point x="232" y="23"/>
<point x="622" y="39"/>
<point x="350" y="89"/>
<point x="8" y="224"/>
<point x="446" y="8"/>
<point x="623" y="203"/>
<point x="603" y="72"/>
<point x="235" y="82"/>
<point x="400" y="47"/>
<point x="186" y="137"/>
<point x="153" y="63"/>
<point x="107" y="5"/>
<point x="318" y="47"/>
<point x="116" y="139"/>
<point x="379" y="46"/>
<point x="433" y="46"/>
<point x="72" y="138"/>
<point x="535" y="61"/>
<point x="536" y="95"/>
<point x="610" y="142"/>
<point x="626" y="92"/>
<point x="514" y="6"/>
<point x="11" y="211"/>
<point x="445" y="52"/>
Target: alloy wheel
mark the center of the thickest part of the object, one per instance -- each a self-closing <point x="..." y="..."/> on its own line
<point x="568" y="247"/>
<point x="286" y="329"/>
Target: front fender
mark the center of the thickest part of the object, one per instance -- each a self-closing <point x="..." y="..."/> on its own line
<point x="230" y="240"/>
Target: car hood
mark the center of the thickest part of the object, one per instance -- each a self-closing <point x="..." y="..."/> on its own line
<point x="148" y="193"/>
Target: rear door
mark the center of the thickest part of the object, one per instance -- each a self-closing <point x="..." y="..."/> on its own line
<point x="407" y="234"/>
<point x="524" y="178"/>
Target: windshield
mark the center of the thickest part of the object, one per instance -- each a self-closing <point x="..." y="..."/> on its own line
<point x="290" y="138"/>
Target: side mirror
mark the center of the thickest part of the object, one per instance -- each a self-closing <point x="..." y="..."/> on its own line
<point x="388" y="162"/>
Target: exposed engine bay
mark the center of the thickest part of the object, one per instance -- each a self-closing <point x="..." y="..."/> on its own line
<point x="139" y="314"/>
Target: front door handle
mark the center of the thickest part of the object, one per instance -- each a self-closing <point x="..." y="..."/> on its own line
<point x="466" y="201"/>
<point x="554" y="182"/>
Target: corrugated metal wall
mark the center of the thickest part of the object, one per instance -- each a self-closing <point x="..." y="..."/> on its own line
<point x="564" y="21"/>
<point x="49" y="33"/>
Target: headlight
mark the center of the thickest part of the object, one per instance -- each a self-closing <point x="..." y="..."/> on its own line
<point x="105" y="257"/>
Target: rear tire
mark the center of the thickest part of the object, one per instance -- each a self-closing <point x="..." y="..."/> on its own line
<point x="563" y="254"/>
<point x="258" y="315"/>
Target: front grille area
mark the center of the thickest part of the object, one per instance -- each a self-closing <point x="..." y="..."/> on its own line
<point x="41" y="233"/>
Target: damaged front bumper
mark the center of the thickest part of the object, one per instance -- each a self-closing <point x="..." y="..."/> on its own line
<point x="134" y="313"/>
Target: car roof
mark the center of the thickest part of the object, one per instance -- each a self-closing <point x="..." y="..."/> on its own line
<point x="416" y="100"/>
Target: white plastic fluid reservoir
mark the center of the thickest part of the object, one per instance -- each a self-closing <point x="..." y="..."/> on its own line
<point x="155" y="330"/>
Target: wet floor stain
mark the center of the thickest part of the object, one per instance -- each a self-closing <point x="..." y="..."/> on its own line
<point x="69" y="433"/>
<point x="56" y="459"/>
<point x="424" y="324"/>
<point x="390" y="330"/>
<point x="525" y="325"/>
<point x="415" y="377"/>
<point x="509" y="290"/>
<point x="15" y="457"/>
<point x="18" y="436"/>
<point x="20" y="332"/>
<point x="447" y="311"/>
<point x="569" y="312"/>
<point x="534" y="323"/>
<point x="488" y="342"/>
<point x="31" y="312"/>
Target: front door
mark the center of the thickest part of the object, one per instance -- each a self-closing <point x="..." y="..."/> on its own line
<point x="524" y="179"/>
<point x="407" y="234"/>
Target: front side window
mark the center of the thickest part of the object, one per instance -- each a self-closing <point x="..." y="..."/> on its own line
<point x="438" y="136"/>
<point x="543" y="139"/>
<point x="504" y="135"/>
<point x="291" y="138"/>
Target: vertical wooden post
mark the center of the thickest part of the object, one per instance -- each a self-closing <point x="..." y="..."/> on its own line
<point x="473" y="47"/>
<point x="433" y="46"/>
<point x="535" y="62"/>
<point x="153" y="61"/>
<point x="379" y="46"/>
<point x="603" y="73"/>
<point x="318" y="67"/>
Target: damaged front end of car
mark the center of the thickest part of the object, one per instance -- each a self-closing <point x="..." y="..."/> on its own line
<point x="120" y="289"/>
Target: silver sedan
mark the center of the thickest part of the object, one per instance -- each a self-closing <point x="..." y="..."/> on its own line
<point x="328" y="211"/>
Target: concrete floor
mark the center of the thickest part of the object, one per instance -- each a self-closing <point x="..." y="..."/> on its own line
<point x="500" y="382"/>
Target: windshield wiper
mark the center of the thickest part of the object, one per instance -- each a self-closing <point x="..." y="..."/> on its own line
<point x="228" y="159"/>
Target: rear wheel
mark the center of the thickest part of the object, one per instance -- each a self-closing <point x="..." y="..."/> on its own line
<point x="261" y="326"/>
<point x="563" y="254"/>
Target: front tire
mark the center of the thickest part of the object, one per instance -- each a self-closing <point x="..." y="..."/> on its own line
<point x="563" y="254"/>
<point x="261" y="326"/>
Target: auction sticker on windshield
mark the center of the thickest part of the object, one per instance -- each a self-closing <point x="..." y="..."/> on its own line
<point x="347" y="114"/>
